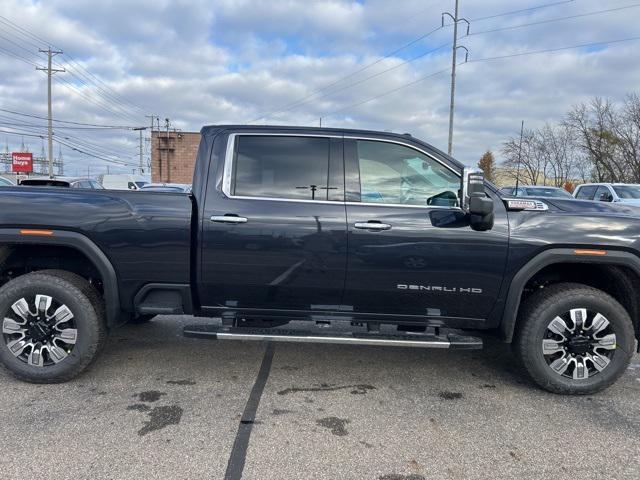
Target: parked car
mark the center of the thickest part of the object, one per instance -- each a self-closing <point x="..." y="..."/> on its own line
<point x="61" y="182"/>
<point x="294" y="223"/>
<point x="167" y="187"/>
<point x="124" y="182"/>
<point x="609" y="192"/>
<point x="536" y="191"/>
<point x="6" y="182"/>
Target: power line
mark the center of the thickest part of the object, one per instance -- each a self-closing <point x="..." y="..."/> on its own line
<point x="346" y="77"/>
<point x="522" y="10"/>
<point x="79" y="142"/>
<point x="67" y="121"/>
<point x="552" y="20"/>
<point x="73" y="60"/>
<point x="71" y="145"/>
<point x="550" y="50"/>
<point x="388" y="92"/>
<point x="18" y="57"/>
<point x="70" y="86"/>
<point x="104" y="89"/>
<point x="412" y="42"/>
<point x="485" y="59"/>
<point x="365" y="79"/>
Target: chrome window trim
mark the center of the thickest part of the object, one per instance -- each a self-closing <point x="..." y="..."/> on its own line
<point x="228" y="169"/>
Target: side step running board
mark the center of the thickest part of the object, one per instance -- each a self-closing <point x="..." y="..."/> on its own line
<point x="217" y="332"/>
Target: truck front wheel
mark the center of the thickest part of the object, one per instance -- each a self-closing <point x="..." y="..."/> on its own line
<point x="574" y="339"/>
<point x="52" y="326"/>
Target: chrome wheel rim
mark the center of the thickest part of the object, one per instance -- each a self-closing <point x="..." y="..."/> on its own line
<point x="39" y="330"/>
<point x="579" y="344"/>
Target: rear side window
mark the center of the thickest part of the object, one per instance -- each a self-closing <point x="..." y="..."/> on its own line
<point x="281" y="167"/>
<point x="586" y="192"/>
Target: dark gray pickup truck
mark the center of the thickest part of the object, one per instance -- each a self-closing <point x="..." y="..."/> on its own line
<point x="371" y="238"/>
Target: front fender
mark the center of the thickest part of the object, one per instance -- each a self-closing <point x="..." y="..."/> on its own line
<point x="544" y="259"/>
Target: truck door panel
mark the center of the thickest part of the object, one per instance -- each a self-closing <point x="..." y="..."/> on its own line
<point x="277" y="238"/>
<point x="411" y="250"/>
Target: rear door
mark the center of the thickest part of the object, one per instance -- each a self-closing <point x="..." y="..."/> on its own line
<point x="411" y="250"/>
<point x="586" y="192"/>
<point x="274" y="232"/>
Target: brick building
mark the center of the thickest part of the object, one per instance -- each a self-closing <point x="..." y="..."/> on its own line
<point x="173" y="156"/>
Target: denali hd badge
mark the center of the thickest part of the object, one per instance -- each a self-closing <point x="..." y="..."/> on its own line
<point x="437" y="288"/>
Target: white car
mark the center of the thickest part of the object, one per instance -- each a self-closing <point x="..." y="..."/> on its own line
<point x="124" y="182"/>
<point x="609" y="192"/>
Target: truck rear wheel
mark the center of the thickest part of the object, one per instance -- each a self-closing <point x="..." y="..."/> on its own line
<point x="53" y="326"/>
<point x="574" y="339"/>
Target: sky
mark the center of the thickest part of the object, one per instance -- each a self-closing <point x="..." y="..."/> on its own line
<point x="290" y="62"/>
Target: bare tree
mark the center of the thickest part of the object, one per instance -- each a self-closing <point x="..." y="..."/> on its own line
<point x="594" y="125"/>
<point x="556" y="147"/>
<point x="627" y="131"/>
<point x="523" y="165"/>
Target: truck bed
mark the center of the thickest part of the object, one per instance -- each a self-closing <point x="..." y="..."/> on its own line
<point x="145" y="235"/>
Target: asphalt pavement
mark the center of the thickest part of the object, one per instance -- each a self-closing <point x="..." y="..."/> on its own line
<point x="156" y="405"/>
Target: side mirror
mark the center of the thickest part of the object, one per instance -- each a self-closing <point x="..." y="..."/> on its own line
<point x="475" y="202"/>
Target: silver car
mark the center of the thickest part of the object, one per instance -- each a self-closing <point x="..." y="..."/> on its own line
<point x="609" y="192"/>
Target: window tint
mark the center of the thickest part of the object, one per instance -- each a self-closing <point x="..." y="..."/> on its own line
<point x="627" y="191"/>
<point x="281" y="167"/>
<point x="395" y="174"/>
<point x="548" y="192"/>
<point x="603" y="194"/>
<point x="586" y="192"/>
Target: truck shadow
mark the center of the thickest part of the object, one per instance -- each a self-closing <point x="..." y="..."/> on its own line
<point x="161" y="341"/>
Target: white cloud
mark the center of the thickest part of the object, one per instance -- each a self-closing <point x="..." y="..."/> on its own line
<point x="202" y="62"/>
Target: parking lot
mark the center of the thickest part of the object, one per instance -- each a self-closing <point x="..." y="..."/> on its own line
<point x="158" y="405"/>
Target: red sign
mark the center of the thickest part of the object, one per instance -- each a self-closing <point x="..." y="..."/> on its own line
<point x="21" y="162"/>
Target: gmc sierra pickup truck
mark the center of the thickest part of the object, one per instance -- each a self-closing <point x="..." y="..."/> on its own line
<point x="371" y="238"/>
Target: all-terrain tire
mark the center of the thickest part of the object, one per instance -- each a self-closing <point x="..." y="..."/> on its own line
<point x="542" y="307"/>
<point x="87" y="307"/>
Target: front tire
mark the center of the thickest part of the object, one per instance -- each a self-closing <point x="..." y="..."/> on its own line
<point x="52" y="326"/>
<point x="574" y="339"/>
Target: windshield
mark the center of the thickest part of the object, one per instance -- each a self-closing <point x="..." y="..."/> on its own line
<point x="627" y="191"/>
<point x="548" y="192"/>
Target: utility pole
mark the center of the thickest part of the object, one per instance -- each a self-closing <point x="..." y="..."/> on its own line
<point x="141" y="167"/>
<point x="519" y="159"/>
<point x="50" y="72"/>
<point x="454" y="58"/>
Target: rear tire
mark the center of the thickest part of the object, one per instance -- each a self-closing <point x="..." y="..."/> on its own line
<point x="41" y="342"/>
<point x="574" y="339"/>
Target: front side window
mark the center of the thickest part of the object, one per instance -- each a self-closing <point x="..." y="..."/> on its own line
<point x="281" y="167"/>
<point x="396" y="174"/>
<point x="603" y="194"/>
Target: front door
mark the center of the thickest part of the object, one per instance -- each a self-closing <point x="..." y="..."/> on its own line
<point x="411" y="250"/>
<point x="274" y="233"/>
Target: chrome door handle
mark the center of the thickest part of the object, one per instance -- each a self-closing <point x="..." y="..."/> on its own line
<point x="373" y="226"/>
<point x="228" y="219"/>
